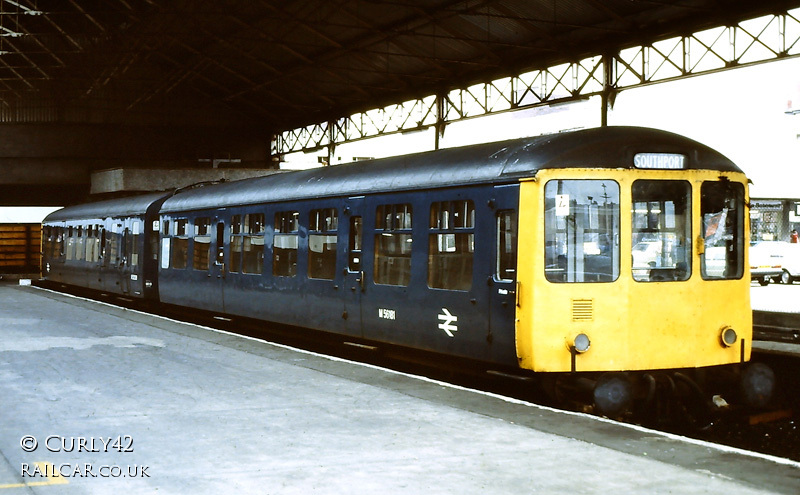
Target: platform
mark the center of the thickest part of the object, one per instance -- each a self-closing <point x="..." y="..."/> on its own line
<point x="190" y="410"/>
<point x="779" y="298"/>
<point x="778" y="307"/>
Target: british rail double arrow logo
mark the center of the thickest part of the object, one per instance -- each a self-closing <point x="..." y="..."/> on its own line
<point x="447" y="322"/>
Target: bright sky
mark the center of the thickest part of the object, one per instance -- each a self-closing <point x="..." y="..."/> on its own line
<point x="740" y="112"/>
<point x="20" y="214"/>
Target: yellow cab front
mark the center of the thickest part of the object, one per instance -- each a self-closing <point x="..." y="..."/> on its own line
<point x="632" y="270"/>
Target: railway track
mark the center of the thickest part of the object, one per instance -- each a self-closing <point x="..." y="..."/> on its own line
<point x="776" y="327"/>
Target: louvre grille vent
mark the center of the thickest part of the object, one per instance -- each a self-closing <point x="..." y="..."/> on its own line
<point x="582" y="309"/>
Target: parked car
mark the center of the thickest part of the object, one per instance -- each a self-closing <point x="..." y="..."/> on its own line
<point x="790" y="262"/>
<point x="766" y="261"/>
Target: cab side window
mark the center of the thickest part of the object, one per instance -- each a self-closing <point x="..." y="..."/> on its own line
<point x="722" y="209"/>
<point x="506" y="245"/>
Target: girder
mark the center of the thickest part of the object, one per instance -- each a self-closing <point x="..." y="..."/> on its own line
<point x="351" y="69"/>
<point x="752" y="41"/>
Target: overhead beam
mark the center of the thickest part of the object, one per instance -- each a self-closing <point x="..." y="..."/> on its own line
<point x="753" y="41"/>
<point x="387" y="33"/>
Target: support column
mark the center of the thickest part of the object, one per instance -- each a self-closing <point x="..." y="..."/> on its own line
<point x="440" y="122"/>
<point x="609" y="93"/>
<point x="331" y="142"/>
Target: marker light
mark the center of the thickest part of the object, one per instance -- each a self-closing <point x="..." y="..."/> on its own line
<point x="728" y="336"/>
<point x="581" y="343"/>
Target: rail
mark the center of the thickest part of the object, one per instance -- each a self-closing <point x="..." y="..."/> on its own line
<point x="776" y="327"/>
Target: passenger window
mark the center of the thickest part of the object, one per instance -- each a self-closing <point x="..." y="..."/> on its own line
<point x="113" y="241"/>
<point x="722" y="210"/>
<point x="506" y="245"/>
<point x="253" y="243"/>
<point x="135" y="243"/>
<point x="180" y="244"/>
<point x="166" y="241"/>
<point x="103" y="245"/>
<point x="451" y="245"/>
<point x="284" y="244"/>
<point x="80" y="252"/>
<point x="47" y="242"/>
<point x="89" y="243"/>
<point x="95" y="240"/>
<point x="59" y="247"/>
<point x="55" y="248"/>
<point x="323" y="226"/>
<point x="393" y="244"/>
<point x="581" y="222"/>
<point x="662" y="230"/>
<point x="51" y="249"/>
<point x="126" y="239"/>
<point x="70" y="243"/>
<point x="202" y="244"/>
<point x="354" y="244"/>
<point x="220" y="260"/>
<point x="152" y="249"/>
<point x="236" y="244"/>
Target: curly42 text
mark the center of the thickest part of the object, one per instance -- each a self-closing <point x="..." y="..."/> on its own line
<point x="59" y="443"/>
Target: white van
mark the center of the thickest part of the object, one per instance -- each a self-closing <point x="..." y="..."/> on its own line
<point x="766" y="261"/>
<point x="790" y="262"/>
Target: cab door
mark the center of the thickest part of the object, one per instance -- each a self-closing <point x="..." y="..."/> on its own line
<point x="219" y="264"/>
<point x="503" y="284"/>
<point x="353" y="282"/>
<point x="125" y="260"/>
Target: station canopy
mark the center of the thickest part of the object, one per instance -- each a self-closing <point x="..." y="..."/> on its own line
<point x="281" y="64"/>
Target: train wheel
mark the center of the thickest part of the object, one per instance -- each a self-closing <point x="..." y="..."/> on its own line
<point x="786" y="278"/>
<point x="757" y="385"/>
<point x="613" y="394"/>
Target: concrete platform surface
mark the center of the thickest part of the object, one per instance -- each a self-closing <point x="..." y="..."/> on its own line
<point x="118" y="401"/>
<point x="780" y="298"/>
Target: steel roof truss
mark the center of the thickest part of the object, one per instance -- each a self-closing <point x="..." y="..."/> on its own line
<point x="749" y="42"/>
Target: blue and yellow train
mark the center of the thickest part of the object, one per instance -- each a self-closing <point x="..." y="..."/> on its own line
<point x="614" y="257"/>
